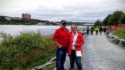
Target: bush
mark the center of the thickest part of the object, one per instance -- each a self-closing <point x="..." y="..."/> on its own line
<point x="25" y="51"/>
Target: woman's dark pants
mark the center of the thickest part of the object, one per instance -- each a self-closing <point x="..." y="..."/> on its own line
<point x="73" y="59"/>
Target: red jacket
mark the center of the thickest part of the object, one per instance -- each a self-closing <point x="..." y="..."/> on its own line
<point x="79" y="42"/>
<point x="61" y="36"/>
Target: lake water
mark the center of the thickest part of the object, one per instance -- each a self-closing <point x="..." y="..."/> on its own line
<point x="16" y="29"/>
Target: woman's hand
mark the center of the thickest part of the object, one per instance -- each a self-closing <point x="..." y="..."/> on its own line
<point x="75" y="45"/>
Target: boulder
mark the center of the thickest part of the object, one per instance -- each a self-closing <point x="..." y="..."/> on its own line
<point x="116" y="40"/>
<point x="121" y="42"/>
<point x="113" y="38"/>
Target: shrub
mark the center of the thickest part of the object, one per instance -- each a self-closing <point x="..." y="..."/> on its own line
<point x="25" y="50"/>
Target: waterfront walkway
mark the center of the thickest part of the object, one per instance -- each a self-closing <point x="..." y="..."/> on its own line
<point x="100" y="54"/>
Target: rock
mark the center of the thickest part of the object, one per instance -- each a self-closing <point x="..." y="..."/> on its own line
<point x="116" y="40"/>
<point x="121" y="42"/>
<point x="113" y="38"/>
<point x="44" y="65"/>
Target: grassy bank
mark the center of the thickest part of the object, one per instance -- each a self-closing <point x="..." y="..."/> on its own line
<point x="25" y="51"/>
<point x="120" y="33"/>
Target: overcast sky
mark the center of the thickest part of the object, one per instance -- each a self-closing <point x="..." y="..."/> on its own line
<point x="56" y="10"/>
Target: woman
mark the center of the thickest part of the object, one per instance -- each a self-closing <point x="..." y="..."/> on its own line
<point x="75" y="47"/>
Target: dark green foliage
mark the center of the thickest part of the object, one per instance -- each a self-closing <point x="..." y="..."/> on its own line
<point x="106" y="20"/>
<point x="3" y="20"/>
<point x="116" y="18"/>
<point x="98" y="23"/>
<point x="25" y="51"/>
<point x="122" y="20"/>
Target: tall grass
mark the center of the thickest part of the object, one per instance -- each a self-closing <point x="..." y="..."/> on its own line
<point x="24" y="51"/>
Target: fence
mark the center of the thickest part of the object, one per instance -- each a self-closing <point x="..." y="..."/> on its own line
<point x="117" y="27"/>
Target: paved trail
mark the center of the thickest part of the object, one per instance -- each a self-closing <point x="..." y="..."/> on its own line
<point x="101" y="54"/>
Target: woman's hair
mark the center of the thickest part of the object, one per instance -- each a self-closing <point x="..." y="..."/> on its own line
<point x="74" y="25"/>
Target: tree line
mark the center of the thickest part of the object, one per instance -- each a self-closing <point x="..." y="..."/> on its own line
<point x="19" y="21"/>
<point x="118" y="17"/>
<point x="4" y="20"/>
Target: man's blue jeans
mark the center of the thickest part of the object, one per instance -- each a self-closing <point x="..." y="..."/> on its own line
<point x="77" y="59"/>
<point x="60" y="58"/>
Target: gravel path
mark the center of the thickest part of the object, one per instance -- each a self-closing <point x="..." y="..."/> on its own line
<point x="101" y="54"/>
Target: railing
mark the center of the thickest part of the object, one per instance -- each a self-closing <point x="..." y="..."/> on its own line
<point x="117" y="27"/>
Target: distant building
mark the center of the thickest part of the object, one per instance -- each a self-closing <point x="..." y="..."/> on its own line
<point x="58" y="23"/>
<point x="40" y="23"/>
<point x="26" y="16"/>
<point x="16" y="18"/>
<point x="7" y="18"/>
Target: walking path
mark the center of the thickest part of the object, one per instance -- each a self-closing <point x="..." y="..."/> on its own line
<point x="100" y="54"/>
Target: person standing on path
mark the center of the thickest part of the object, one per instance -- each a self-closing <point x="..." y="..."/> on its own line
<point x="61" y="38"/>
<point x="87" y="30"/>
<point x="96" y="29"/>
<point x="92" y="29"/>
<point x="104" y="29"/>
<point x="100" y="30"/>
<point x="107" y="31"/>
<point x="76" y="40"/>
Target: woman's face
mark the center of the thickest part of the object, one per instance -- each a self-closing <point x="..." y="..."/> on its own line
<point x="73" y="28"/>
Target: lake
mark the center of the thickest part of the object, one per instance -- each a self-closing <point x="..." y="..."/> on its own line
<point x="44" y="30"/>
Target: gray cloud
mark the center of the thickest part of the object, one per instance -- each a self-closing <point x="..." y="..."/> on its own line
<point x="89" y="12"/>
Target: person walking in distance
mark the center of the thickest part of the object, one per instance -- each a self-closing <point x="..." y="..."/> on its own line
<point x="87" y="30"/>
<point x="96" y="29"/>
<point x="100" y="30"/>
<point x="76" y="40"/>
<point x="92" y="29"/>
<point x="104" y="29"/>
<point x="61" y="38"/>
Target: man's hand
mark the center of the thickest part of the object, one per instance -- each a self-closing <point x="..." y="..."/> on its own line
<point x="59" y="46"/>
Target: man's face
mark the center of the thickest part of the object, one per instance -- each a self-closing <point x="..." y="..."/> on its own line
<point x="64" y="26"/>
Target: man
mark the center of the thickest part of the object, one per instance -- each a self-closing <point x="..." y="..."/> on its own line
<point x="60" y="37"/>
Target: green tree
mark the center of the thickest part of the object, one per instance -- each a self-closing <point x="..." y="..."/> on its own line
<point x="2" y="20"/>
<point x="115" y="18"/>
<point x="122" y="19"/>
<point x="106" y="20"/>
<point x="98" y="23"/>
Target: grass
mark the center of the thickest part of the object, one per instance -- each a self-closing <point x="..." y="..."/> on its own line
<point x="120" y="33"/>
<point x="25" y="51"/>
